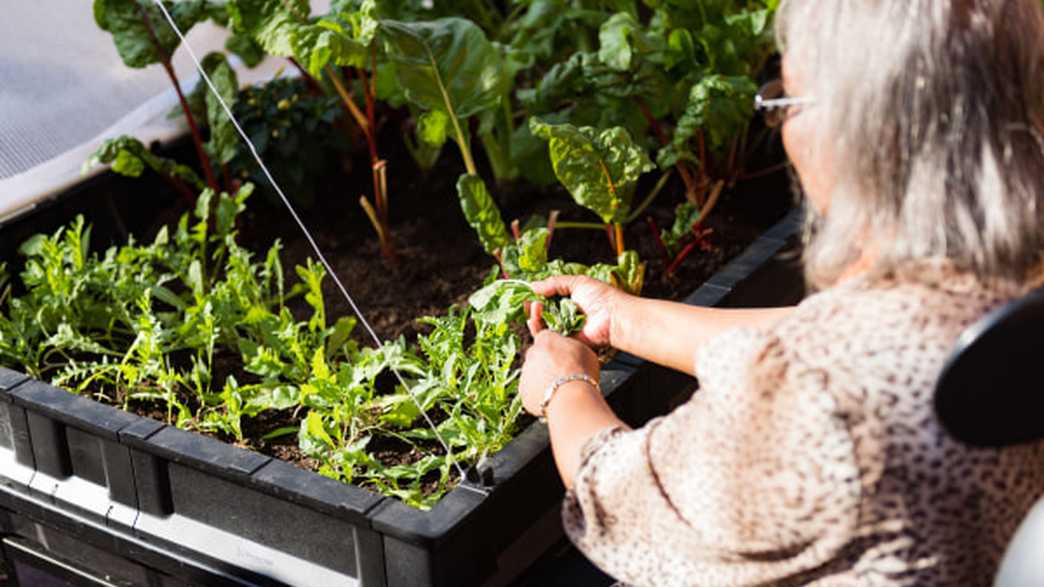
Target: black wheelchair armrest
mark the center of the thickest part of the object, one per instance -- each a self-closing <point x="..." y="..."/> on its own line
<point x="991" y="390"/>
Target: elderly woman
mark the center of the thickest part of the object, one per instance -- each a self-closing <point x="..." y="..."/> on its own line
<point x="811" y="454"/>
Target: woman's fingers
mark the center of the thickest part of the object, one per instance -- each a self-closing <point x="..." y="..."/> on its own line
<point x="560" y="285"/>
<point x="535" y="321"/>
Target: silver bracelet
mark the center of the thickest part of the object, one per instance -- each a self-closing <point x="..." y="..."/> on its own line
<point x="551" y="389"/>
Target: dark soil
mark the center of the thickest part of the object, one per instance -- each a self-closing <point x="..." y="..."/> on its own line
<point x="440" y="261"/>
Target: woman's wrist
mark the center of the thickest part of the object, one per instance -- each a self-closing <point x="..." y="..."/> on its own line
<point x="552" y="389"/>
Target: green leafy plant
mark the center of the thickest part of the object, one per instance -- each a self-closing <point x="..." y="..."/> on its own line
<point x="451" y="72"/>
<point x="142" y="37"/>
<point x="128" y="156"/>
<point x="677" y="76"/>
<point x="191" y="326"/>
<point x="293" y="129"/>
<point x="333" y="48"/>
<point x="503" y="300"/>
<point x="599" y="168"/>
<point x="685" y="234"/>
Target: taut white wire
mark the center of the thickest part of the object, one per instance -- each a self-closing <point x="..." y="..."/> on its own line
<point x="311" y="241"/>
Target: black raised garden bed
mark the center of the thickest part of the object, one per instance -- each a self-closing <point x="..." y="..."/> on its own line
<point x="95" y="495"/>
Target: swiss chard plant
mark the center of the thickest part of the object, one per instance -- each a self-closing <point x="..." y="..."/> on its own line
<point x="449" y="70"/>
<point x="331" y="51"/>
<point x="679" y="76"/>
<point x="599" y="168"/>
<point x="143" y="37"/>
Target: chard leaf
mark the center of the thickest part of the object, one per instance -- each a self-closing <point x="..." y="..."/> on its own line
<point x="433" y="128"/>
<point x="482" y="213"/>
<point x="141" y="32"/>
<point x="322" y="43"/>
<point x="252" y="17"/>
<point x="246" y="48"/>
<point x="600" y="168"/>
<point x="446" y="64"/>
<point x="721" y="106"/>
<point x="686" y="215"/>
<point x="629" y="274"/>
<point x="224" y="142"/>
<point x="128" y="164"/>
<point x="128" y="156"/>
<point x="528" y="256"/>
<point x="615" y="38"/>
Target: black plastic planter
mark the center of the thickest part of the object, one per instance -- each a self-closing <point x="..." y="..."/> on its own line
<point x="93" y="495"/>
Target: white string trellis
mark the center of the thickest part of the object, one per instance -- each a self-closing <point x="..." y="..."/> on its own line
<point x="311" y="241"/>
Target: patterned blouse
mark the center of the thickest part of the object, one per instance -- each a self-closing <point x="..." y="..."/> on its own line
<point x="811" y="455"/>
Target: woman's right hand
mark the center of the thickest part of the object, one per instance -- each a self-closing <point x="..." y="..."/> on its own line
<point x="597" y="299"/>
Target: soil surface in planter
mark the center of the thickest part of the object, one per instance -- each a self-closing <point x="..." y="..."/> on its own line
<point x="440" y="261"/>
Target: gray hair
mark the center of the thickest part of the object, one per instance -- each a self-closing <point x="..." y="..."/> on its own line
<point x="935" y="118"/>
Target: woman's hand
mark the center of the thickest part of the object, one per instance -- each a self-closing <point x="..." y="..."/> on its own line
<point x="552" y="356"/>
<point x="597" y="299"/>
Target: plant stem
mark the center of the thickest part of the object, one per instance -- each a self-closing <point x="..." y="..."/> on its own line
<point x="552" y="223"/>
<point x="583" y="225"/>
<point x="311" y="82"/>
<point x="661" y="135"/>
<point x="682" y="255"/>
<point x="767" y="171"/>
<point x="197" y="137"/>
<point x="378" y="212"/>
<point x="650" y="198"/>
<point x="715" y="195"/>
<point x="618" y="227"/>
<point x="346" y="100"/>
<point x="371" y="141"/>
<point x="655" y="230"/>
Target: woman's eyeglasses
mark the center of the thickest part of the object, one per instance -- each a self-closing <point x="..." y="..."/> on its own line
<point x="774" y="103"/>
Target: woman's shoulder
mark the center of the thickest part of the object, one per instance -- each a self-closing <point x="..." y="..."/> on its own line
<point x="872" y="339"/>
<point x="904" y="314"/>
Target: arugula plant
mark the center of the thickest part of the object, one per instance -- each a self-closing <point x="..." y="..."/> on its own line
<point x="192" y="327"/>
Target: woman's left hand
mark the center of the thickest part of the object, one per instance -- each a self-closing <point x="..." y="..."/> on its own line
<point x="552" y="356"/>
